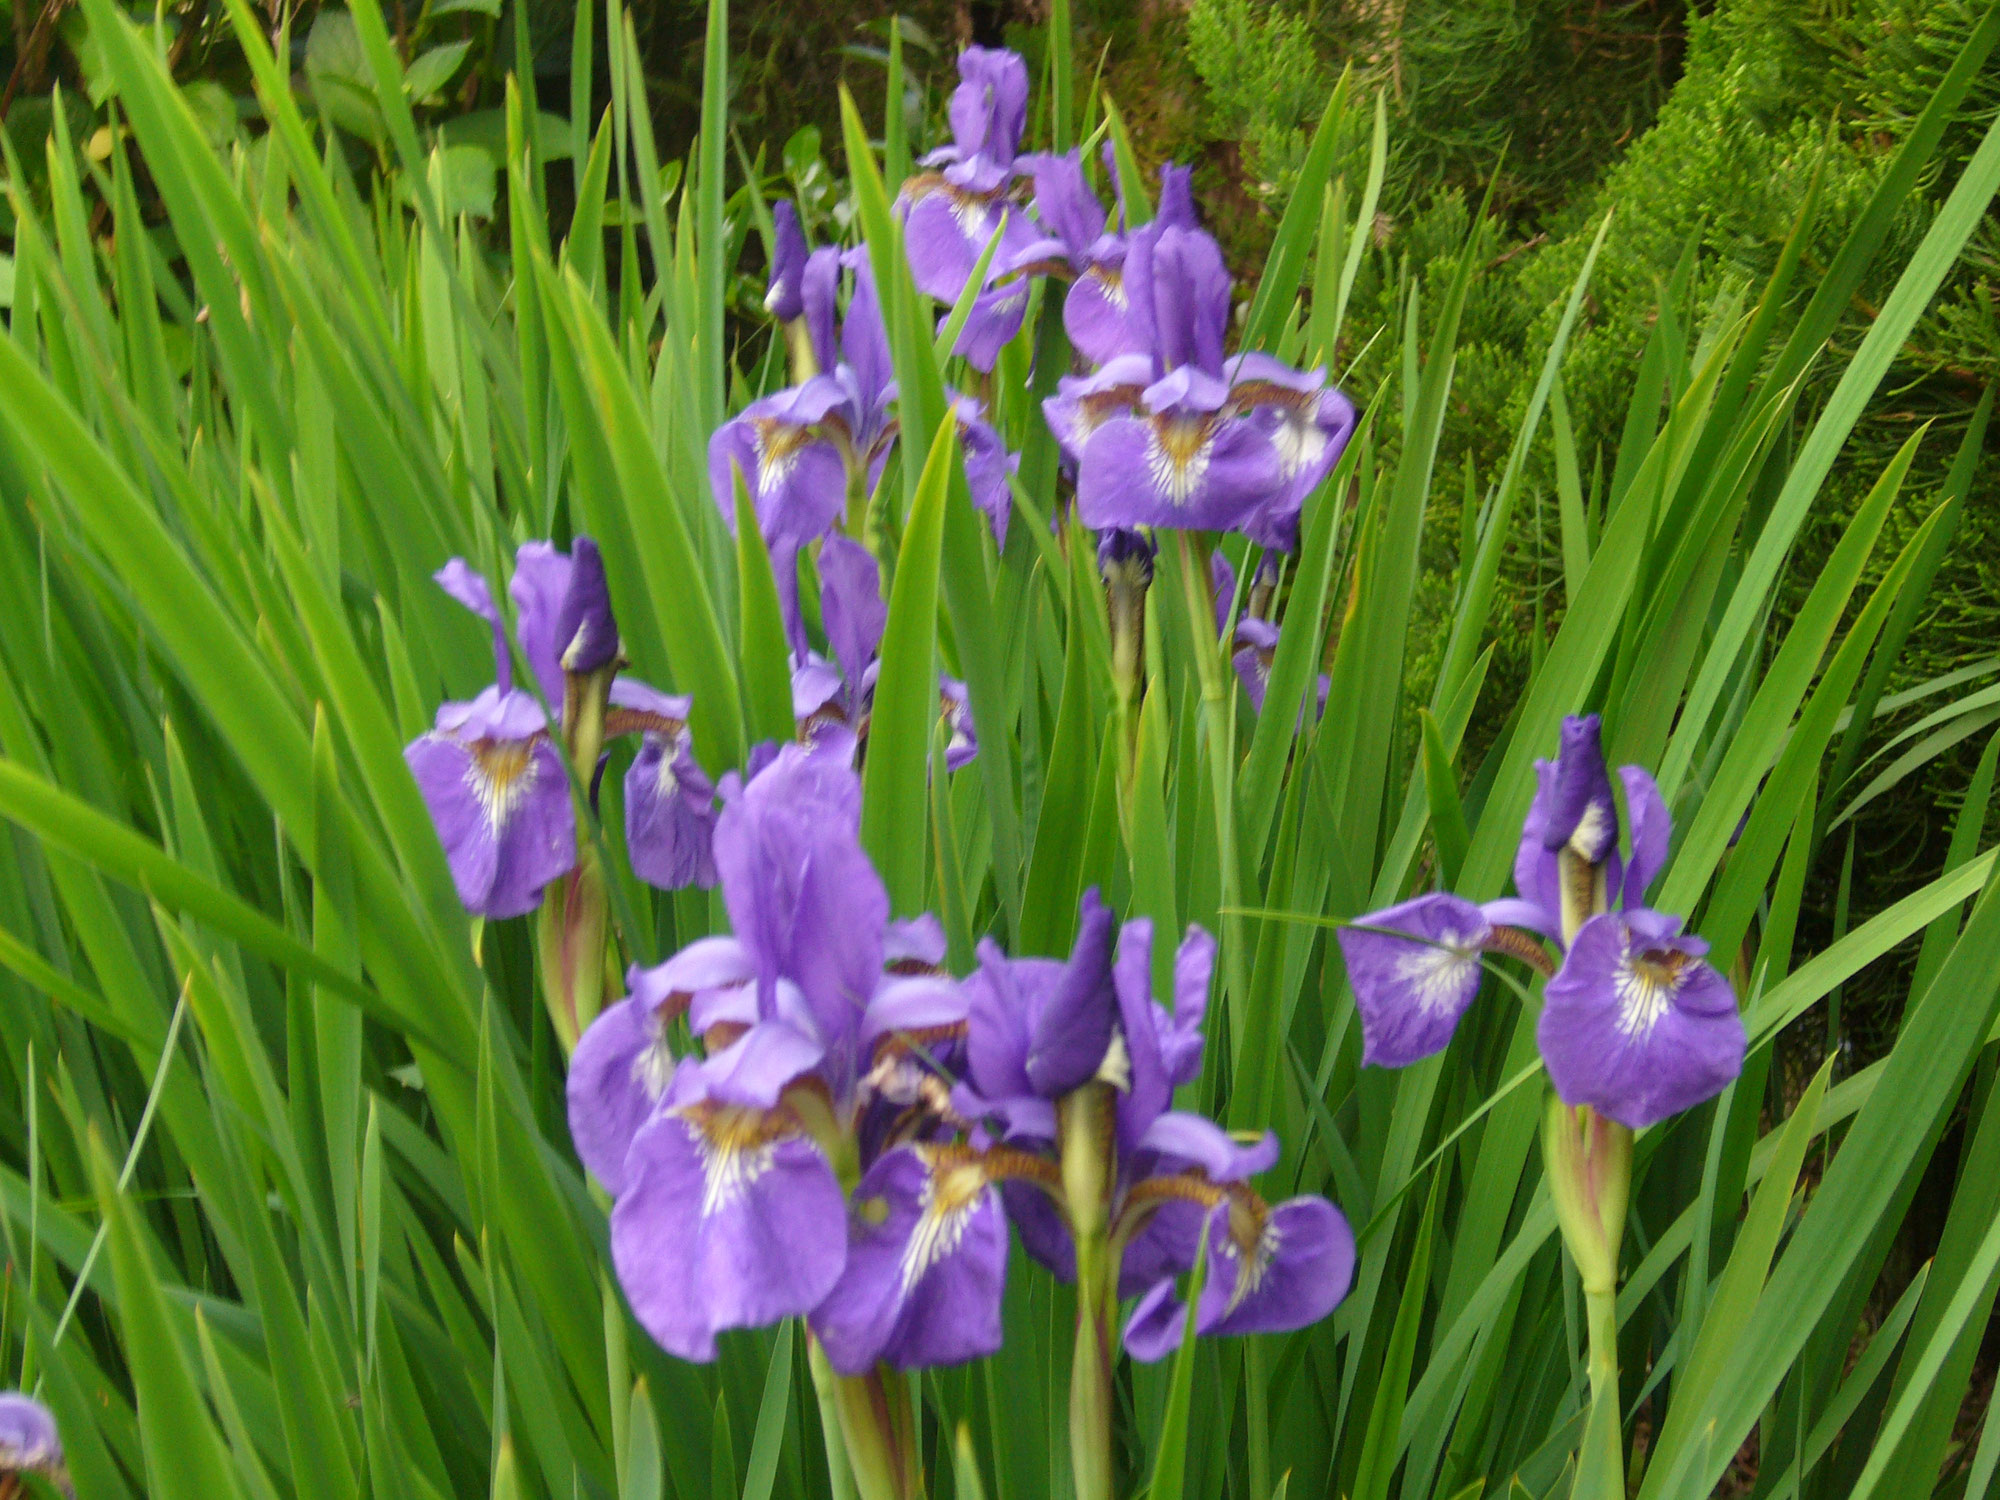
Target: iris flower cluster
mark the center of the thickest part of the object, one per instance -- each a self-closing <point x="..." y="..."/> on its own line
<point x="847" y="1130"/>
<point x="493" y="769"/>
<point x="1635" y="1023"/>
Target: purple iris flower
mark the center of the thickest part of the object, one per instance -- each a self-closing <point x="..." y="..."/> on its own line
<point x="1256" y="638"/>
<point x="950" y="214"/>
<point x="669" y="800"/>
<point x="1096" y="311"/>
<point x="1040" y="1029"/>
<point x="491" y="770"/>
<point x="1185" y="437"/>
<point x="29" y="1443"/>
<point x="492" y="774"/>
<point x="1634" y="1022"/>
<point x="730" y="1210"/>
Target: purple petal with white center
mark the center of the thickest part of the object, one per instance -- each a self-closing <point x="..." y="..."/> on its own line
<point x="1652" y="833"/>
<point x="926" y="1265"/>
<point x="783" y="299"/>
<point x="731" y="1218"/>
<point x="670" y="814"/>
<point x="944" y="234"/>
<point x="1180" y="470"/>
<point x="794" y="472"/>
<point x="617" y="1077"/>
<point x="851" y="605"/>
<point x="1070" y="1023"/>
<point x="1636" y="1024"/>
<point x="1097" y="311"/>
<point x="498" y="793"/>
<point x="1277" y="1269"/>
<point x="29" y="1441"/>
<point x="1411" y="989"/>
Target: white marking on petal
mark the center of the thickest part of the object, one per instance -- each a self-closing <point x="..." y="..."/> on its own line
<point x="1646" y="984"/>
<point x="1592" y="829"/>
<point x="666" y="781"/>
<point x="1252" y="1243"/>
<point x="653" y="1068"/>
<point x="954" y="1186"/>
<point x="501" y="774"/>
<point x="778" y="445"/>
<point x="736" y="1145"/>
<point x="1300" y="441"/>
<point x="1437" y="972"/>
<point x="1178" y="450"/>
<point x="1111" y="282"/>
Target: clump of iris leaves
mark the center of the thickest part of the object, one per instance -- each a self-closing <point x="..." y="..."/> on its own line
<point x="290" y="1202"/>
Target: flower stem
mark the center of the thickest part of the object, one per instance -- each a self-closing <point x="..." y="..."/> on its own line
<point x="1601" y="1465"/>
<point x="1090" y="1390"/>
<point x="877" y="1427"/>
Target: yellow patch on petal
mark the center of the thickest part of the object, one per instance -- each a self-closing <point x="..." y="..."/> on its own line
<point x="737" y="1146"/>
<point x="953" y="1189"/>
<point x="503" y="772"/>
<point x="1178" y="450"/>
<point x="778" y="447"/>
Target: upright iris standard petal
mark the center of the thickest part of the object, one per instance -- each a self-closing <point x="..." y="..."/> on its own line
<point x="1582" y="815"/>
<point x="731" y="1218"/>
<point x="29" y="1443"/>
<point x="802" y="894"/>
<point x="1415" y="968"/>
<point x="585" y="634"/>
<point x="1273" y="1269"/>
<point x="540" y="584"/>
<point x="988" y="465"/>
<point x="1070" y="1024"/>
<point x="852" y="608"/>
<point x="784" y="298"/>
<point x="1256" y="647"/>
<point x="988" y="111"/>
<point x="470" y="588"/>
<point x="498" y="792"/>
<point x="1652" y="833"/>
<point x="926" y="1265"/>
<point x="1637" y="1024"/>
